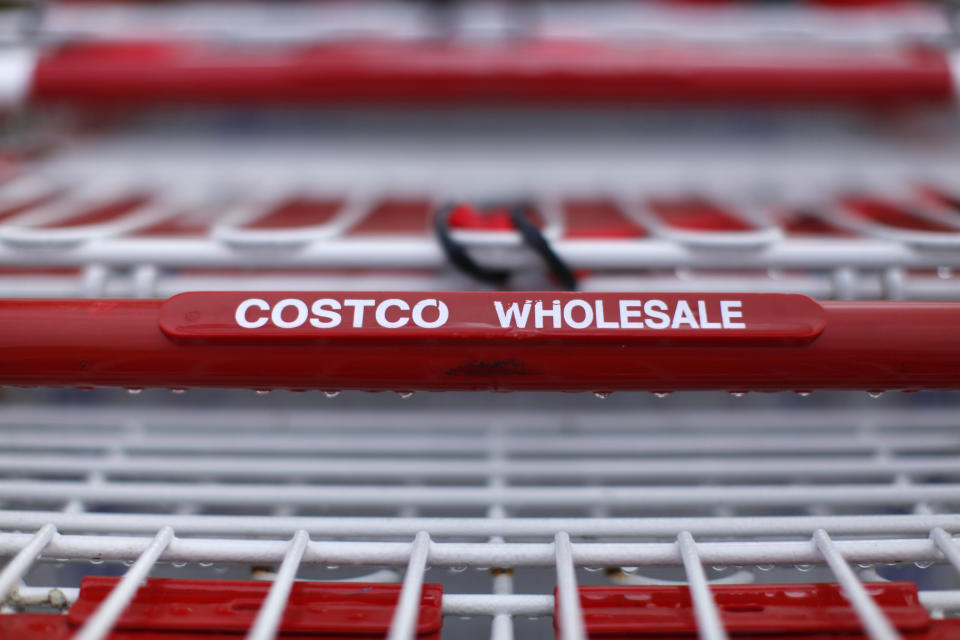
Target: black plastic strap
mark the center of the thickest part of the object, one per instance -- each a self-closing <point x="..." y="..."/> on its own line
<point x="531" y="235"/>
<point x="457" y="253"/>
<point x="536" y="241"/>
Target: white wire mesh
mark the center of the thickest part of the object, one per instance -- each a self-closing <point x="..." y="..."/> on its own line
<point x="427" y="458"/>
<point x="395" y="20"/>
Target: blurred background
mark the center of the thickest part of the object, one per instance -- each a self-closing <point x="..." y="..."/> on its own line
<point x="157" y="147"/>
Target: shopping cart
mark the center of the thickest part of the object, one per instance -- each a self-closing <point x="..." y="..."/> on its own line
<point x="609" y="200"/>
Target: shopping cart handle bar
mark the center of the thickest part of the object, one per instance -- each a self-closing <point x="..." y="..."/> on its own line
<point x="537" y="71"/>
<point x="404" y="341"/>
<point x="459" y="316"/>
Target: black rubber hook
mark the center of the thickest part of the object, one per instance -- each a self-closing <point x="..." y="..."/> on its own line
<point x="534" y="239"/>
<point x="531" y="235"/>
<point x="457" y="253"/>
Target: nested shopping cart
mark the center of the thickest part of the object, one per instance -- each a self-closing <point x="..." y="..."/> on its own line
<point x="284" y="232"/>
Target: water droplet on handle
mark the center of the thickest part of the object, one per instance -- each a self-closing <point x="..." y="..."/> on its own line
<point x="134" y="390"/>
<point x="178" y="390"/>
<point x="331" y="394"/>
<point x="874" y="394"/>
<point x="405" y="394"/>
<point x="262" y="392"/>
<point x="662" y="394"/>
<point x="602" y="394"/>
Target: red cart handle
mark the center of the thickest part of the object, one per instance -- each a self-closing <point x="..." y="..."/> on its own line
<point x="482" y="341"/>
<point x="545" y="71"/>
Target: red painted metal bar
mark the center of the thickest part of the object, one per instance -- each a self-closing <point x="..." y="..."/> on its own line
<point x="481" y="341"/>
<point x="531" y="71"/>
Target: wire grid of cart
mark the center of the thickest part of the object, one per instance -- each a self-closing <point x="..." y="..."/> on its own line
<point x="487" y="501"/>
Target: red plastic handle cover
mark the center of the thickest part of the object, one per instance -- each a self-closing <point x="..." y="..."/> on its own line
<point x="323" y="608"/>
<point x="491" y="316"/>
<point x="173" y="609"/>
<point x="796" y="611"/>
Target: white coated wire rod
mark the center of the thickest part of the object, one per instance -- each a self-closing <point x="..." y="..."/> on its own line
<point x="144" y="493"/>
<point x="871" y="616"/>
<point x="709" y="624"/>
<point x="574" y="443"/>
<point x="106" y="615"/>
<point x="151" y="282"/>
<point x="790" y="253"/>
<point x="478" y="604"/>
<point x="271" y="611"/>
<point x="169" y="282"/>
<point x="945" y="600"/>
<point x="247" y="466"/>
<point x="945" y="544"/>
<point x="351" y="526"/>
<point x="144" y="215"/>
<point x="352" y="210"/>
<point x="478" y="554"/>
<point x="60" y="597"/>
<point x="21" y="563"/>
<point x="813" y="419"/>
<point x="63" y="418"/>
<point x="823" y="285"/>
<point x="582" y="443"/>
<point x="572" y="626"/>
<point x="501" y="627"/>
<point x="483" y="604"/>
<point x="403" y="626"/>
<point x="295" y="24"/>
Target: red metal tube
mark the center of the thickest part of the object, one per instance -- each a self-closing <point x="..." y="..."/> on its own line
<point x="193" y="340"/>
<point x="547" y="71"/>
